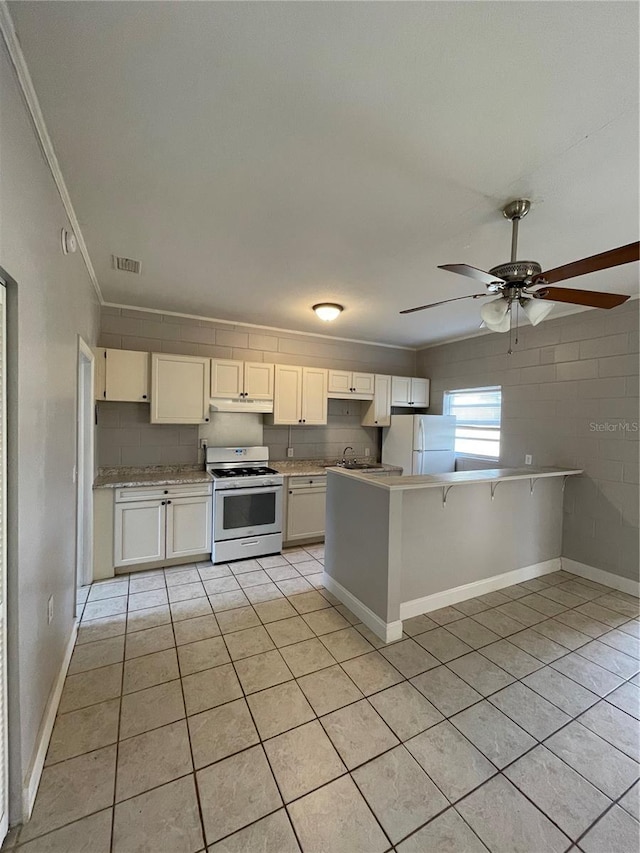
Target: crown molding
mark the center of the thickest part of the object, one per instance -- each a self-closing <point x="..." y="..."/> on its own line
<point x="46" y="145"/>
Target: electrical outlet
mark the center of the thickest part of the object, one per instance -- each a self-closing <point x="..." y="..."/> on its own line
<point x="203" y="443"/>
<point x="528" y="459"/>
<point x="367" y="451"/>
<point x="289" y="452"/>
<point x="50" y="610"/>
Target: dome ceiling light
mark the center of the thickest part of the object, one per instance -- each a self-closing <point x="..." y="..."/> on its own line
<point x="328" y="311"/>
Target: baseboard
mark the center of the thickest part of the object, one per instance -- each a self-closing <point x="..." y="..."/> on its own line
<point x="600" y="576"/>
<point x="418" y="606"/>
<point x="32" y="778"/>
<point x="387" y="631"/>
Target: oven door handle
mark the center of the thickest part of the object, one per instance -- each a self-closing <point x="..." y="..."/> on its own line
<point x="255" y="490"/>
<point x="249" y="542"/>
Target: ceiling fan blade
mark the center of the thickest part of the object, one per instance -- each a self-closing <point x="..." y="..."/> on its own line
<point x="592" y="298"/>
<point x="443" y="302"/>
<point x="472" y="272"/>
<point x="605" y="260"/>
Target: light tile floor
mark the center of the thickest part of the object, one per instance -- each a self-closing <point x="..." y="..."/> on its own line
<point x="242" y="708"/>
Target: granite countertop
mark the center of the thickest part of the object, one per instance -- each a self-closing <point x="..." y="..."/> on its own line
<point x="456" y="478"/>
<point x="151" y="475"/>
<point x="318" y="467"/>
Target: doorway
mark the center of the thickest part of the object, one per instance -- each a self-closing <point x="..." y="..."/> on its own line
<point x="4" y="752"/>
<point x="84" y="465"/>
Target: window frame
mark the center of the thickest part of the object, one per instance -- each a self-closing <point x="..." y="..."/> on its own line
<point x="446" y="410"/>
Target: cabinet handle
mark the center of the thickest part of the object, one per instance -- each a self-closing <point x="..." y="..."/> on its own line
<point x="206" y="420"/>
<point x="166" y="491"/>
<point x="290" y="491"/>
<point x="144" y="396"/>
<point x="304" y="420"/>
<point x="168" y="502"/>
<point x="163" y="503"/>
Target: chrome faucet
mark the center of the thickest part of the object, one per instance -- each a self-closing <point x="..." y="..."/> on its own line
<point x="344" y="453"/>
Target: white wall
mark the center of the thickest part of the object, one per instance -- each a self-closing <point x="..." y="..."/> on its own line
<point x="50" y="302"/>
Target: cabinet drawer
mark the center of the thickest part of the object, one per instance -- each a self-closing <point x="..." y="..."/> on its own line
<point x="318" y="481"/>
<point x="147" y="493"/>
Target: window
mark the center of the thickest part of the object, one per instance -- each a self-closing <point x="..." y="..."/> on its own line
<point x="478" y="420"/>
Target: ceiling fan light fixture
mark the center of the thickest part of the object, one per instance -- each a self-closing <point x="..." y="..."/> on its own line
<point x="536" y="310"/>
<point x="328" y="311"/>
<point x="495" y="315"/>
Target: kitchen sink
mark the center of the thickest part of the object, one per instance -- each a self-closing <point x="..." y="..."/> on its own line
<point x="356" y="466"/>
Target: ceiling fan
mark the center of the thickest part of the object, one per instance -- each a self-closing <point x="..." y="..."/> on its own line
<point x="525" y="285"/>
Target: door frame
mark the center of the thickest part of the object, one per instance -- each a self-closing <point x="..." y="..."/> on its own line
<point x="84" y="469"/>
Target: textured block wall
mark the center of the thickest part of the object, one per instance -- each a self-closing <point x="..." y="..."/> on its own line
<point x="125" y="436"/>
<point x="570" y="398"/>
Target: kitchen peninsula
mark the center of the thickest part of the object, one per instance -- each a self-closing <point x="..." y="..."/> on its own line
<point x="396" y="547"/>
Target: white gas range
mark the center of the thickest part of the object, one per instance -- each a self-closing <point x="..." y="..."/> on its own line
<point x="247" y="503"/>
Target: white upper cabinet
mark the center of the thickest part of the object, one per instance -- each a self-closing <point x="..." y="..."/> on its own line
<point x="409" y="391"/>
<point x="300" y="395"/>
<point x="287" y="400"/>
<point x="419" y="392"/>
<point x="345" y="384"/>
<point x="314" y="395"/>
<point x="180" y="386"/>
<point x="241" y="380"/>
<point x="122" y="375"/>
<point x="400" y="391"/>
<point x="378" y="413"/>
<point x="258" y="380"/>
<point x="227" y="378"/>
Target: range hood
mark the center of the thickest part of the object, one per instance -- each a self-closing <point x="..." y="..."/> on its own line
<point x="220" y="404"/>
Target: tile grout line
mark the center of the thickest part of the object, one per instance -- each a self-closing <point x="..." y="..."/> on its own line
<point x="405" y="679"/>
<point x="115" y="773"/>
<point x="193" y="763"/>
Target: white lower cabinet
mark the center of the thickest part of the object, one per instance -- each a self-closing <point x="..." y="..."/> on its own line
<point x="152" y="524"/>
<point x="306" y="508"/>
<point x="139" y="532"/>
<point x="188" y="526"/>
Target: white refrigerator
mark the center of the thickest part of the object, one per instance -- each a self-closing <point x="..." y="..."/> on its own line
<point x="421" y="444"/>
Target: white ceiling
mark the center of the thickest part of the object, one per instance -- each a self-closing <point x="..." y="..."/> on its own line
<point x="260" y="157"/>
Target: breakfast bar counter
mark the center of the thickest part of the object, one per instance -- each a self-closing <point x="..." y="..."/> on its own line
<point x="394" y="546"/>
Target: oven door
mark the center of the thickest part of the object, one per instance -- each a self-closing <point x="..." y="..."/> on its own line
<point x="247" y="512"/>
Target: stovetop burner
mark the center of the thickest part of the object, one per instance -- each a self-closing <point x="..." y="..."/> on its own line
<point x="242" y="472"/>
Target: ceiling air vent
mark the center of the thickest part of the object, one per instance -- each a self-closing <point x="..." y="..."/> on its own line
<point x="126" y="265"/>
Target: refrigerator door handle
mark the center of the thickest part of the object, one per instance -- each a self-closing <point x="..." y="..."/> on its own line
<point x="421" y="437"/>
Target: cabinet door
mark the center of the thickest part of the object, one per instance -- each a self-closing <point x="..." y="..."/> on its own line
<point x="188" y="526"/>
<point x="382" y="401"/>
<point x="179" y="389"/>
<point x="287" y="401"/>
<point x="314" y="395"/>
<point x="420" y="392"/>
<point x="227" y="378"/>
<point x="400" y="391"/>
<point x="306" y="513"/>
<point x="258" y="380"/>
<point x="126" y="375"/>
<point x="340" y="382"/>
<point x="139" y="532"/>
<point x="363" y="383"/>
